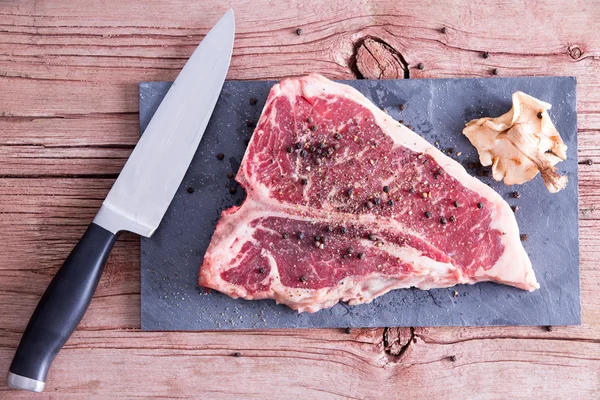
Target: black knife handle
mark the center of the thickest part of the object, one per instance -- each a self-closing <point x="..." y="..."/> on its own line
<point x="60" y="309"/>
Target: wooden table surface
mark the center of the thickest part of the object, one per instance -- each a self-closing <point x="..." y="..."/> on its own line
<point x="69" y="119"/>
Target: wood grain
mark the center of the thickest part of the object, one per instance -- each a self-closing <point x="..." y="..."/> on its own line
<point x="375" y="59"/>
<point x="316" y="364"/>
<point x="68" y="121"/>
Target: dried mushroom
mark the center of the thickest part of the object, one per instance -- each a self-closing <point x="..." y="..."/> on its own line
<point x="520" y="143"/>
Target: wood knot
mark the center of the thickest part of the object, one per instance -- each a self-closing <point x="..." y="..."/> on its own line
<point x="575" y="52"/>
<point x="375" y="59"/>
<point x="397" y="340"/>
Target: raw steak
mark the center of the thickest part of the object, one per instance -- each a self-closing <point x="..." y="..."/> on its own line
<point x="344" y="203"/>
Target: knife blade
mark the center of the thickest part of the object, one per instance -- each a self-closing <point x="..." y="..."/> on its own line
<point x="137" y="203"/>
<point x="140" y="196"/>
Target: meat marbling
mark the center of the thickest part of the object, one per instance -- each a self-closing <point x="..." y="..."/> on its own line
<point x="345" y="204"/>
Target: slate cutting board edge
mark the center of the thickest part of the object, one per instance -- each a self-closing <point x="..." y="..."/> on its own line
<point x="162" y="310"/>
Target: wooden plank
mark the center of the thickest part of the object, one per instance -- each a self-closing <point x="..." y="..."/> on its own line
<point x="35" y="98"/>
<point x="97" y="144"/>
<point x="315" y="364"/>
<point x="91" y="130"/>
<point x="68" y="47"/>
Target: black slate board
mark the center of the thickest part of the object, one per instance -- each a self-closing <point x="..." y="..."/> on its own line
<point x="437" y="109"/>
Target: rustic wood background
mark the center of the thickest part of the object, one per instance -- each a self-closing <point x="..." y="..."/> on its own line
<point x="68" y="121"/>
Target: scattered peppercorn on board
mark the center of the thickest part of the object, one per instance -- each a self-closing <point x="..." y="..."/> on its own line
<point x="437" y="109"/>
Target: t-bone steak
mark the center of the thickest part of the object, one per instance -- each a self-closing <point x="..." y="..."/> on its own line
<point x="345" y="204"/>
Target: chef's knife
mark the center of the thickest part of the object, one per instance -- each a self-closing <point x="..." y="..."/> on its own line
<point x="137" y="202"/>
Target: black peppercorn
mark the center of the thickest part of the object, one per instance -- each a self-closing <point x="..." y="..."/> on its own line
<point x="299" y="31"/>
<point x="302" y="278"/>
<point x="298" y="146"/>
<point x="390" y="202"/>
<point x="285" y="235"/>
<point x="329" y="228"/>
<point x="314" y="128"/>
<point x="495" y="71"/>
<point x="411" y="190"/>
<point x="337" y="136"/>
<point x="485" y="54"/>
<point x="350" y="250"/>
<point x="456" y="204"/>
<point x="377" y="201"/>
<point x="343" y="230"/>
<point x="190" y="190"/>
<point x="220" y="156"/>
<point x="540" y="115"/>
<point x="348" y="331"/>
<point x="303" y="181"/>
<point x="524" y="237"/>
<point x="360" y="256"/>
<point x="261" y="270"/>
<point x="516" y="195"/>
<point x="253" y="101"/>
<point x="230" y="175"/>
<point x="350" y="192"/>
<point x="443" y="30"/>
<point x="232" y="190"/>
<point x="421" y="66"/>
<point x="303" y="153"/>
<point x="237" y="354"/>
<point x="452" y="218"/>
<point x="480" y="205"/>
<point x="452" y="358"/>
<point x="289" y="149"/>
<point x="300" y="235"/>
<point x="386" y="189"/>
<point x="443" y="221"/>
